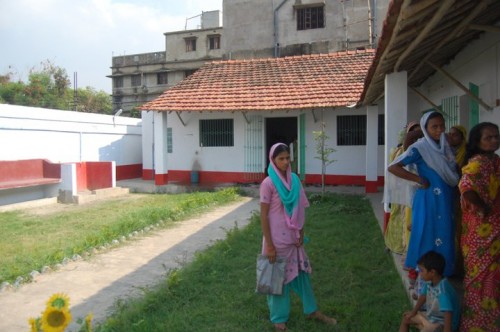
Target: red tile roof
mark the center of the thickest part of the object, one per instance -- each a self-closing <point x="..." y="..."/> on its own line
<point x="298" y="82"/>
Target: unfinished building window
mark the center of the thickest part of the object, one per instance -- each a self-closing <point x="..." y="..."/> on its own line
<point x="190" y="44"/>
<point x="136" y="80"/>
<point x="162" y="78"/>
<point x="311" y="17"/>
<point x="214" y="42"/>
<point x="189" y="72"/>
<point x="118" y="82"/>
<point x="218" y="132"/>
<point x="351" y="130"/>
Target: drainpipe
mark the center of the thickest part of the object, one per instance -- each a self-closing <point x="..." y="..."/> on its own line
<point x="275" y="23"/>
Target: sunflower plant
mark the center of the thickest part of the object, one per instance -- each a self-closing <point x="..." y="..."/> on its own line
<point x="57" y="316"/>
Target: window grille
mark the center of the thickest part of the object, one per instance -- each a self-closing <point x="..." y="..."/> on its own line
<point x="381" y="129"/>
<point x="169" y="140"/>
<point x="162" y="78"/>
<point x="218" y="132"/>
<point x="310" y="18"/>
<point x="214" y="42"/>
<point x="450" y="107"/>
<point x="190" y="44"/>
<point x="351" y="130"/>
<point x="118" y="82"/>
<point x="136" y="80"/>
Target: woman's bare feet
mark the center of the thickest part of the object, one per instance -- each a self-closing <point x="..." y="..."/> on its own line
<point x="280" y="327"/>
<point x="318" y="315"/>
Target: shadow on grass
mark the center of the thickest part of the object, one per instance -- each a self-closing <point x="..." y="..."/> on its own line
<point x="353" y="277"/>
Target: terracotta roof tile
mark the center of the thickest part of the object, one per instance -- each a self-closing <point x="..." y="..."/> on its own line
<point x="298" y="82"/>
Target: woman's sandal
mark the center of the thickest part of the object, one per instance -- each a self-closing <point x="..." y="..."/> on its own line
<point x="319" y="316"/>
<point x="280" y="327"/>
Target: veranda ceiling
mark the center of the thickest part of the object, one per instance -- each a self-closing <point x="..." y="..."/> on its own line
<point x="421" y="35"/>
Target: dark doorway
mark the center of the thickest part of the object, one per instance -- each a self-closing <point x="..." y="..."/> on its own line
<point x="283" y="130"/>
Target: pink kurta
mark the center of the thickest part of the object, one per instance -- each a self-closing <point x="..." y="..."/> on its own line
<point x="284" y="238"/>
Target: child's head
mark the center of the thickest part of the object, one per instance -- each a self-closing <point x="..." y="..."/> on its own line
<point x="432" y="261"/>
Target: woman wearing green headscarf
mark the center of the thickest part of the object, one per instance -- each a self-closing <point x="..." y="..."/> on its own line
<point x="282" y="213"/>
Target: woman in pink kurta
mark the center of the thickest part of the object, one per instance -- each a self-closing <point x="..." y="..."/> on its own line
<point x="480" y="189"/>
<point x="283" y="204"/>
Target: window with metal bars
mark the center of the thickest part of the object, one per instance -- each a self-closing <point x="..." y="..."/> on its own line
<point x="214" y="42"/>
<point x="310" y="18"/>
<point x="162" y="78"/>
<point x="136" y="80"/>
<point x="351" y="130"/>
<point x="169" y="140"/>
<point x="218" y="132"/>
<point x="190" y="44"/>
<point x="381" y="129"/>
<point x="118" y="82"/>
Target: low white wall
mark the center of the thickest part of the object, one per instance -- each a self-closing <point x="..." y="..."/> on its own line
<point x="65" y="136"/>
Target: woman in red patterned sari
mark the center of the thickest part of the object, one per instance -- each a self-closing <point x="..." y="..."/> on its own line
<point x="480" y="202"/>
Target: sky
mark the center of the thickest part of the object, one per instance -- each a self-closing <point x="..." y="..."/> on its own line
<point x="82" y="36"/>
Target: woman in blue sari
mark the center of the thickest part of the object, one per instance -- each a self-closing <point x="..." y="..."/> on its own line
<point x="432" y="204"/>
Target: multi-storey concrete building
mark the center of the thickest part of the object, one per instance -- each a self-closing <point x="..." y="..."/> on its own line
<point x="252" y="29"/>
<point x="139" y="78"/>
<point x="276" y="28"/>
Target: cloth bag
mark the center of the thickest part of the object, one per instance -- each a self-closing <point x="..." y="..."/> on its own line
<point x="270" y="277"/>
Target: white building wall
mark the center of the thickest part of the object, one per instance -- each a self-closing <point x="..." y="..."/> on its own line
<point x="478" y="63"/>
<point x="350" y="160"/>
<point x="187" y="149"/>
<point x="65" y="136"/>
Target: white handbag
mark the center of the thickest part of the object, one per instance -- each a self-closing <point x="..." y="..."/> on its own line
<point x="270" y="277"/>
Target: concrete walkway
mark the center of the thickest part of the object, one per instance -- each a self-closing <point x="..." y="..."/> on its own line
<point x="96" y="284"/>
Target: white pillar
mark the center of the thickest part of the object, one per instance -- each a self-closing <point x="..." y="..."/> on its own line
<point x="160" y="148"/>
<point x="371" y="149"/>
<point x="396" y="109"/>
<point x="396" y="116"/>
<point x="147" y="145"/>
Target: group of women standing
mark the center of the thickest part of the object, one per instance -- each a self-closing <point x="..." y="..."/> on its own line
<point x="441" y="173"/>
<point x="431" y="163"/>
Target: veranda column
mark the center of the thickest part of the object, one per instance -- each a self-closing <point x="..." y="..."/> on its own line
<point x="396" y="115"/>
<point x="371" y="149"/>
<point x="147" y="145"/>
<point x="160" y="148"/>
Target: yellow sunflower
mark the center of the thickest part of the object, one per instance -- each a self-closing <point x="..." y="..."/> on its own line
<point x="471" y="168"/>
<point x="55" y="320"/>
<point x="33" y="324"/>
<point x="484" y="230"/>
<point x="495" y="248"/>
<point x="59" y="301"/>
<point x="489" y="303"/>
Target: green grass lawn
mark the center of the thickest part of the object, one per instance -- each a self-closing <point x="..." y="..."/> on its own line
<point x="30" y="241"/>
<point x="353" y="277"/>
